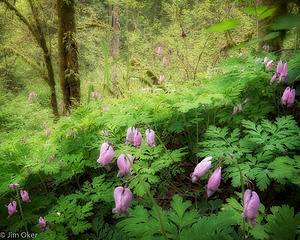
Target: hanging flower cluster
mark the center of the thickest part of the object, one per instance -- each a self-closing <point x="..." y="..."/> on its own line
<point x="31" y="96"/>
<point x="281" y="73"/>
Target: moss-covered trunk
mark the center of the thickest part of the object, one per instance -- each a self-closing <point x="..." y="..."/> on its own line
<point x="68" y="53"/>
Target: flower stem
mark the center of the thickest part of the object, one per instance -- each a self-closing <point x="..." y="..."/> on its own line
<point x="21" y="210"/>
<point x="152" y="199"/>
<point x="243" y="189"/>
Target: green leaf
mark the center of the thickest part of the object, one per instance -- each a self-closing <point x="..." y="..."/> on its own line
<point x="282" y="224"/>
<point x="286" y="22"/>
<point x="225" y="25"/>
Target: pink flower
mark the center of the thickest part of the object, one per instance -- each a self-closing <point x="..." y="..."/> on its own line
<point x="51" y="158"/>
<point x="291" y="98"/>
<point x="150" y="137"/>
<point x="266" y="60"/>
<point x="246" y="100"/>
<point x="137" y="139"/>
<point x="284" y="73"/>
<point x="164" y="61"/>
<point x="257" y="60"/>
<point x="48" y="132"/>
<point x="43" y="224"/>
<point x="14" y="185"/>
<point x="159" y="50"/>
<point x="94" y="94"/>
<point x="106" y="155"/>
<point x="124" y="165"/>
<point x="251" y="205"/>
<point x="214" y="182"/>
<point x="266" y="47"/>
<point x="123" y="197"/>
<point x="285" y="96"/>
<point x="161" y="78"/>
<point x="24" y="196"/>
<point x="201" y="169"/>
<point x="130" y="135"/>
<point x="270" y="65"/>
<point x="12" y="208"/>
<point x="273" y="79"/>
<point x="59" y="103"/>
<point x="239" y="106"/>
<point x="279" y="68"/>
<point x="235" y="109"/>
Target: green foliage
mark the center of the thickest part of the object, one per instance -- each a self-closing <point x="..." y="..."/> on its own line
<point x="286" y="22"/>
<point x="255" y="149"/>
<point x="225" y="25"/>
<point x="179" y="223"/>
<point x="282" y="224"/>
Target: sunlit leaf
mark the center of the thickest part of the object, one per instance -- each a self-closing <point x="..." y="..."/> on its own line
<point x="225" y="25"/>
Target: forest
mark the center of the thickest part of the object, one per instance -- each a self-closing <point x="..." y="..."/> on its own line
<point x="150" y="119"/>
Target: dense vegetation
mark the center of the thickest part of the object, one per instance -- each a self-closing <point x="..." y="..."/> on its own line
<point x="155" y="119"/>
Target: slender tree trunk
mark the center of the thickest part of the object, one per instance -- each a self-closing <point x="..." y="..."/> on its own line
<point x="281" y="9"/>
<point x="39" y="36"/>
<point x="47" y="59"/>
<point x="68" y="53"/>
<point x="115" y="46"/>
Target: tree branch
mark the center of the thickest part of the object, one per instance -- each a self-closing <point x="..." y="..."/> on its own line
<point x="20" y="16"/>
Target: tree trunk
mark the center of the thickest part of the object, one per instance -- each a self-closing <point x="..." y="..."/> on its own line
<point x="281" y="9"/>
<point x="68" y="53"/>
<point x="115" y="46"/>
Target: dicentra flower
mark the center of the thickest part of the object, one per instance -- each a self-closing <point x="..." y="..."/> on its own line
<point x="150" y="137"/>
<point x="251" y="205"/>
<point x="24" y="196"/>
<point x="201" y="169"/>
<point x="123" y="197"/>
<point x="106" y="155"/>
<point x="214" y="182"/>
<point x="124" y="165"/>
<point x="12" y="208"/>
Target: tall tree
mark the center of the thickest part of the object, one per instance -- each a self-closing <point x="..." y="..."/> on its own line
<point x="68" y="53"/>
<point x="38" y="34"/>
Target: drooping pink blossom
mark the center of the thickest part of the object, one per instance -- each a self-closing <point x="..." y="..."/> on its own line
<point x="285" y="96"/>
<point x="239" y="106"/>
<point x="279" y="68"/>
<point x="123" y="197"/>
<point x="246" y="100"/>
<point x="137" y="139"/>
<point x="159" y="50"/>
<point x="14" y="185"/>
<point x="24" y="196"/>
<point x="251" y="206"/>
<point x="291" y="98"/>
<point x="161" y="79"/>
<point x="201" y="169"/>
<point x="273" y="79"/>
<point x="150" y="137"/>
<point x="106" y="155"/>
<point x="214" y="182"/>
<point x="130" y="135"/>
<point x="283" y="73"/>
<point x="270" y="65"/>
<point x="124" y="165"/>
<point x="48" y="132"/>
<point x="164" y="61"/>
<point x="43" y="224"/>
<point x="235" y="109"/>
<point x="51" y="158"/>
<point x="12" y="208"/>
